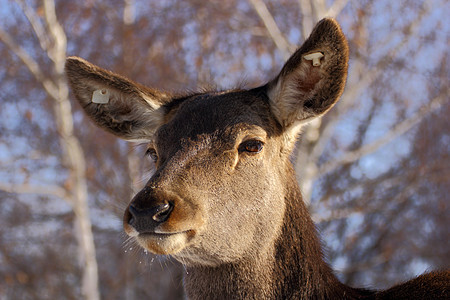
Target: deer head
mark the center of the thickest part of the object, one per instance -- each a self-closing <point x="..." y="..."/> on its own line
<point x="222" y="169"/>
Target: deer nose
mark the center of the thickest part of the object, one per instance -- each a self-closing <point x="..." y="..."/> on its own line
<point x="147" y="218"/>
<point x="158" y="213"/>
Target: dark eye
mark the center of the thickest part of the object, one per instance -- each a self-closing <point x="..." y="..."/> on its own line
<point x="251" y="146"/>
<point x="152" y="154"/>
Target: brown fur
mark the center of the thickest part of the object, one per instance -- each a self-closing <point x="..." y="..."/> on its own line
<point x="232" y="215"/>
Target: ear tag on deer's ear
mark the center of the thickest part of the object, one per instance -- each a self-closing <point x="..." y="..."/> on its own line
<point x="315" y="57"/>
<point x="100" y="96"/>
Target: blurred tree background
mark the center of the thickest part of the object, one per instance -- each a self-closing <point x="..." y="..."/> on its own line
<point x="374" y="171"/>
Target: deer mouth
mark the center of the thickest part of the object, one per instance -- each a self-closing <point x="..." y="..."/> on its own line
<point x="164" y="243"/>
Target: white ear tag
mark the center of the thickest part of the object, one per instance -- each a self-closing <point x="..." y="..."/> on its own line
<point x="315" y="57"/>
<point x="100" y="96"/>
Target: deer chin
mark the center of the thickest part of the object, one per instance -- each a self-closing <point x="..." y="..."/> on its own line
<point x="165" y="243"/>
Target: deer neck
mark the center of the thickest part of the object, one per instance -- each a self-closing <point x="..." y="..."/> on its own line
<point x="292" y="267"/>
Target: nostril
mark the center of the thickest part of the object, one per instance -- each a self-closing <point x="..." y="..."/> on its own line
<point x="145" y="219"/>
<point x="162" y="212"/>
<point x="130" y="215"/>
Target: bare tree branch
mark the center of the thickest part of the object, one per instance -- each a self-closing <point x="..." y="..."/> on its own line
<point x="315" y="147"/>
<point x="312" y="11"/>
<point x="353" y="92"/>
<point x="319" y="9"/>
<point x="344" y="213"/>
<point x="388" y="182"/>
<point x="29" y="62"/>
<point x="25" y="188"/>
<point x="57" y="53"/>
<point x="35" y="23"/>
<point x="373" y="60"/>
<point x="335" y="9"/>
<point x="396" y="131"/>
<point x="73" y="155"/>
<point x="272" y="27"/>
<point x="401" y="200"/>
<point x="307" y="21"/>
<point x="129" y="12"/>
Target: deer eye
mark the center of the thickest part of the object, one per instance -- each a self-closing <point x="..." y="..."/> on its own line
<point x="152" y="154"/>
<point x="251" y="146"/>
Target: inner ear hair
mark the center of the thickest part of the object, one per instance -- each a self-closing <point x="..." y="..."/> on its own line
<point x="313" y="78"/>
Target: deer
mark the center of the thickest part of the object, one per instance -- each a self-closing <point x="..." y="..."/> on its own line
<point x="224" y="199"/>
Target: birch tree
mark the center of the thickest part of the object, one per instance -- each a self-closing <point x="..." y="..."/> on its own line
<point x="53" y="41"/>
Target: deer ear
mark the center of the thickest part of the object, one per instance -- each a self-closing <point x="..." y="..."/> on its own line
<point x="116" y="104"/>
<point x="313" y="78"/>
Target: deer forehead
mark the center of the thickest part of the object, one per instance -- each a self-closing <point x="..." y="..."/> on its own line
<point x="219" y="119"/>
